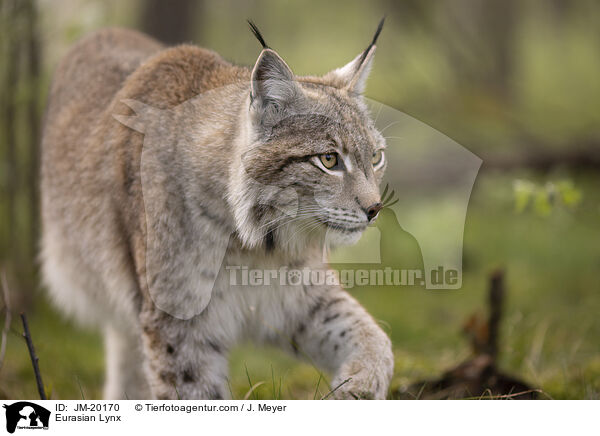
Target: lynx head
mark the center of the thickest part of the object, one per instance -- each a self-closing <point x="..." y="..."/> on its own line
<point x="311" y="159"/>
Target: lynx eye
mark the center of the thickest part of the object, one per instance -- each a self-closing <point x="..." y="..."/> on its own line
<point x="377" y="157"/>
<point x="329" y="160"/>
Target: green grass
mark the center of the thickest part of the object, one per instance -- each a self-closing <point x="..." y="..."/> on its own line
<point x="550" y="331"/>
<point x="71" y="359"/>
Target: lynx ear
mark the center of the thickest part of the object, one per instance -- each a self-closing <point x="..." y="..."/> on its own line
<point x="353" y="76"/>
<point x="273" y="86"/>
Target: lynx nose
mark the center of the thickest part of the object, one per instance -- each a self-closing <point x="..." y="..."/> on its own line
<point x="373" y="210"/>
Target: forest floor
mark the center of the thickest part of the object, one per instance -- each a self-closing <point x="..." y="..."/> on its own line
<point x="550" y="332"/>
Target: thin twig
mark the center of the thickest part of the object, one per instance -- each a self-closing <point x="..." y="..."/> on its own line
<point x="508" y="396"/>
<point x="421" y="391"/>
<point x="7" y="319"/>
<point x="336" y="388"/>
<point x="496" y="297"/>
<point x="34" y="358"/>
<point x="518" y="394"/>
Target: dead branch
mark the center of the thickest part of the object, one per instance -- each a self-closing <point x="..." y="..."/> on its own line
<point x="496" y="297"/>
<point x="34" y="358"/>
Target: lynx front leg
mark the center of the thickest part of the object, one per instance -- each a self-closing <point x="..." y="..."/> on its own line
<point x="342" y="337"/>
<point x="124" y="377"/>
<point x="182" y="362"/>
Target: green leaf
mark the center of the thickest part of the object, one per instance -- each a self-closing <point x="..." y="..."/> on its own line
<point x="523" y="190"/>
<point x="569" y="194"/>
<point x="542" y="204"/>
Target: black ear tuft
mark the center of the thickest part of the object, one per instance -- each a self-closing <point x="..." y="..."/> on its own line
<point x="257" y="34"/>
<point x="378" y="31"/>
<point x="374" y="41"/>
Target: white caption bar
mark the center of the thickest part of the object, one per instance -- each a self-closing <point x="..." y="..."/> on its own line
<point x="294" y="417"/>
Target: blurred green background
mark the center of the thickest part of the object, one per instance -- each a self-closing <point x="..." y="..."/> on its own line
<point x="517" y="83"/>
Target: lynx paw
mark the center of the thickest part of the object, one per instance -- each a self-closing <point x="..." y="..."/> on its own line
<point x="365" y="379"/>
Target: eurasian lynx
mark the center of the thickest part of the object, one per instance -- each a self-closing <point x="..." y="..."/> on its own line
<point x="231" y="167"/>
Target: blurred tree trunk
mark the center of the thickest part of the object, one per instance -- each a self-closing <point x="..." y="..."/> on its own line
<point x="477" y="37"/>
<point x="409" y="13"/>
<point x="498" y="26"/>
<point x="171" y="22"/>
<point x="34" y="118"/>
<point x="21" y="102"/>
<point x="10" y="11"/>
